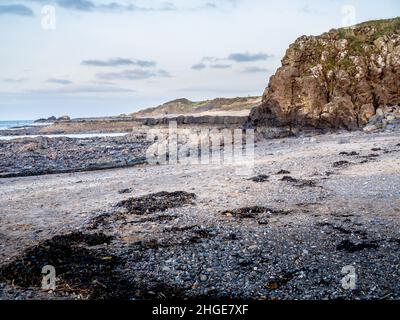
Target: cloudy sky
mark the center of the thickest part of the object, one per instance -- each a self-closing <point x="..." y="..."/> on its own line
<point x="107" y="57"/>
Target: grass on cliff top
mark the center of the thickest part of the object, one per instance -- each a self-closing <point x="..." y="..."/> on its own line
<point x="223" y="101"/>
<point x="382" y="28"/>
<point x="357" y="38"/>
<point x="218" y="104"/>
<point x="385" y="25"/>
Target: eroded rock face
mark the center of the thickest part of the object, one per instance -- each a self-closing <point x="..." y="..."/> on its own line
<point x="336" y="80"/>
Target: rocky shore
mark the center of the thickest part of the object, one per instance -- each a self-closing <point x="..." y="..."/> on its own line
<point x="43" y="155"/>
<point x="127" y="125"/>
<point x="320" y="197"/>
<point x="336" y="80"/>
<point x="312" y="206"/>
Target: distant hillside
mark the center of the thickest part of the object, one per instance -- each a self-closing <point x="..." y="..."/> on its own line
<point x="185" y="106"/>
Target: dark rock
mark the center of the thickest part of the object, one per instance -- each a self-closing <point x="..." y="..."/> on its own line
<point x="92" y="273"/>
<point x="283" y="172"/>
<point x="44" y="120"/>
<point x="124" y="191"/>
<point x="349" y="246"/>
<point x="299" y="183"/>
<point x="64" y="118"/>
<point x="340" y="164"/>
<point x="157" y="202"/>
<point x="253" y="212"/>
<point x="349" y="154"/>
<point x="260" y="178"/>
<point x="289" y="179"/>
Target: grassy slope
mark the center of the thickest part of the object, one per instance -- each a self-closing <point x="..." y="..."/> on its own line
<point x="185" y="106"/>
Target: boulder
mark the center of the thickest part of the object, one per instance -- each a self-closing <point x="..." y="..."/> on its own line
<point x="386" y="118"/>
<point x="64" y="118"/>
<point x="44" y="120"/>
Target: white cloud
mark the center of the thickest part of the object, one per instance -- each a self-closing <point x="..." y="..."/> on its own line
<point x="145" y="47"/>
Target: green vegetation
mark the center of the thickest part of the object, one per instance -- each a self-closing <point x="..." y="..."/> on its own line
<point x="185" y="106"/>
<point x="223" y="101"/>
<point x="359" y="38"/>
<point x="200" y="103"/>
<point x="381" y="27"/>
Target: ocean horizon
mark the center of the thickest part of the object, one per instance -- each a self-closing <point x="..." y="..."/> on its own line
<point x="8" y="124"/>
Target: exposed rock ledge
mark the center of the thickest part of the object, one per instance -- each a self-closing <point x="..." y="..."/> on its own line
<point x="336" y="80"/>
<point x="126" y="124"/>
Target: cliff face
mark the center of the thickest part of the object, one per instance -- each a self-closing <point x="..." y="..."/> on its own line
<point x="336" y="80"/>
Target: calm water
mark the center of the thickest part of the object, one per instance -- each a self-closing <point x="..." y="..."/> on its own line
<point x="72" y="136"/>
<point x="15" y="123"/>
<point x="22" y="123"/>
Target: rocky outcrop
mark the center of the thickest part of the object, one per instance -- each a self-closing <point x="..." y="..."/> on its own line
<point x="387" y="118"/>
<point x="336" y="80"/>
<point x="64" y="118"/>
<point x="53" y="119"/>
<point x="43" y="155"/>
<point x="44" y="120"/>
<point x="124" y="125"/>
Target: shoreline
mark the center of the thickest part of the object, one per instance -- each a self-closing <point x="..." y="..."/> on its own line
<point x="329" y="201"/>
<point x="68" y="153"/>
<point x="125" y="124"/>
<point x="70" y="136"/>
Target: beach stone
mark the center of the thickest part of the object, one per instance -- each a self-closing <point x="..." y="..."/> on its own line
<point x="203" y="278"/>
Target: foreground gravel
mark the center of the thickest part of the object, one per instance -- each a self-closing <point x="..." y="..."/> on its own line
<point x="312" y="206"/>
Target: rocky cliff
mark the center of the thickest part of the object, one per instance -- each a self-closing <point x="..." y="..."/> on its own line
<point x="336" y="80"/>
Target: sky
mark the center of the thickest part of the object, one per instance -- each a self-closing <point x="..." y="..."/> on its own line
<point x="109" y="57"/>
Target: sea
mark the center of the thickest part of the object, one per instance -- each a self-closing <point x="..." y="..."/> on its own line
<point x="7" y="125"/>
<point x="4" y="125"/>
